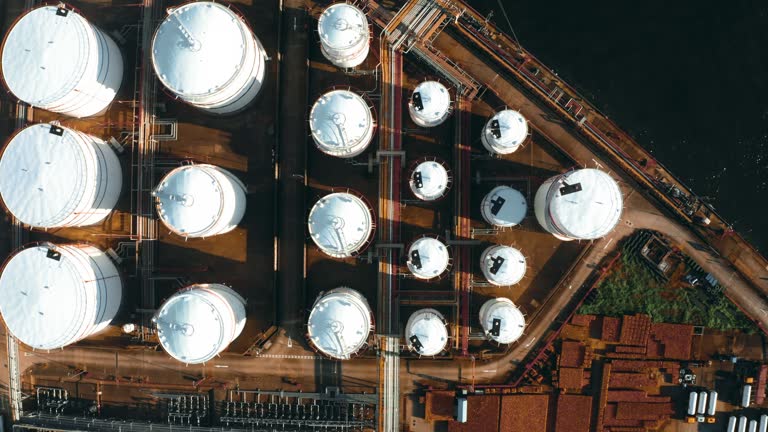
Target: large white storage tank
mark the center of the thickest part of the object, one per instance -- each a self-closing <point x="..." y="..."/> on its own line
<point x="430" y="104"/>
<point x="585" y="204"/>
<point x="54" y="59"/>
<point x="341" y="224"/>
<point x="428" y="258"/>
<point x="505" y="132"/>
<point x="504" y="207"/>
<point x="502" y="321"/>
<point x="342" y="123"/>
<point x="344" y="35"/>
<point x="207" y="56"/>
<point x="503" y="265"/>
<point x="200" y="200"/>
<point x="426" y="332"/>
<point x="339" y="323"/>
<point x="430" y="179"/>
<point x="200" y="321"/>
<point x="52" y="176"/>
<point x="55" y="295"/>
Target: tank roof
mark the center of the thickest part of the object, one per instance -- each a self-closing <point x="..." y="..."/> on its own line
<point x="426" y="332"/>
<point x="435" y="100"/>
<point x="506" y="131"/>
<point x="340" y="224"/>
<point x="342" y="25"/>
<point x="341" y="123"/>
<point x="587" y="211"/>
<point x="503" y="265"/>
<point x="428" y="258"/>
<point x="43" y="174"/>
<point x="504" y="206"/>
<point x="339" y="323"/>
<point x="199" y="48"/>
<point x="46" y="54"/>
<point x="429" y="180"/>
<point x="511" y="320"/>
<point x="190" y="198"/>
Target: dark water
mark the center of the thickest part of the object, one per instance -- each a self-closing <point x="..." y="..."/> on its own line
<point x="687" y="79"/>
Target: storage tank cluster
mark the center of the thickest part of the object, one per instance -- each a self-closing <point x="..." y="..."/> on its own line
<point x="54" y="59"/>
<point x="702" y="406"/>
<point x="505" y="132"/>
<point x="344" y="35"/>
<point x="342" y="124"/>
<point x="339" y="323"/>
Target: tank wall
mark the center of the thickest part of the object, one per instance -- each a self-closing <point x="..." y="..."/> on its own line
<point x="423" y="121"/>
<point x="234" y="302"/>
<point x="347" y="58"/>
<point x="234" y="203"/>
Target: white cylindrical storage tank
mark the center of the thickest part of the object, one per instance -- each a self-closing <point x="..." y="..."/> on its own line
<point x="712" y="403"/>
<point x="200" y="200"/>
<point x="746" y="395"/>
<point x="502" y="321"/>
<point x="339" y="323"/>
<point x="505" y="132"/>
<point x="428" y="258"/>
<point x="763" y="423"/>
<point x="584" y="204"/>
<point x="731" y="424"/>
<point x="503" y="265"/>
<point x="753" y="426"/>
<point x="430" y="179"/>
<point x="504" y="207"/>
<point x="430" y="104"/>
<point x="344" y="35"/>
<point x="207" y="56"/>
<point x="693" y="403"/>
<point x="342" y="124"/>
<point x="702" y="408"/>
<point x="52" y="176"/>
<point x="426" y="332"/>
<point x="743" y="424"/>
<point x="341" y="224"/>
<point x="200" y="321"/>
<point x="54" y="59"/>
<point x="55" y="295"/>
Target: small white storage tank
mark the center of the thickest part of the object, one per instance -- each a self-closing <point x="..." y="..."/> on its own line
<point x="503" y="265"/>
<point x="342" y="124"/>
<point x="693" y="403"/>
<point x="339" y="323"/>
<point x="584" y="204"/>
<point x="428" y="258"/>
<point x="55" y="295"/>
<point x="505" y="132"/>
<point x="430" y="179"/>
<point x="753" y="426"/>
<point x="731" y="424"/>
<point x="763" y="423"/>
<point x="200" y="200"/>
<point x="712" y="403"/>
<point x="54" y="59"/>
<point x="200" y="321"/>
<point x="426" y="332"/>
<point x="746" y="395"/>
<point x="344" y="35"/>
<point x="504" y="207"/>
<point x="743" y="424"/>
<point x="502" y="321"/>
<point x="52" y="176"/>
<point x="341" y="224"/>
<point x="702" y="408"/>
<point x="207" y="56"/>
<point x="430" y="104"/>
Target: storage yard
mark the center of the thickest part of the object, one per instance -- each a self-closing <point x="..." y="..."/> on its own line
<point x="316" y="214"/>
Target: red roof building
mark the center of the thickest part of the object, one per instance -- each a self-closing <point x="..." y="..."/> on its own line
<point x="573" y="413"/>
<point x="524" y="413"/>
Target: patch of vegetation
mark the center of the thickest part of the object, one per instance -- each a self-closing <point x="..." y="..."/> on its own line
<point x="633" y="288"/>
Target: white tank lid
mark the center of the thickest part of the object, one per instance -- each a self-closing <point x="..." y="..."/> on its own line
<point x="340" y="120"/>
<point x="504" y="207"/>
<point x="426" y="332"/>
<point x="429" y="180"/>
<point x="340" y="224"/>
<point x="45" y="54"/>
<point x="339" y="323"/>
<point x="427" y="258"/>
<point x="593" y="210"/>
<point x="199" y="48"/>
<point x="44" y="296"/>
<point x="342" y="26"/>
<point x="42" y="174"/>
<point x="190" y="199"/>
<point x="506" y="131"/>
<point x="511" y="322"/>
<point x="434" y="99"/>
<point x="192" y="327"/>
<point x="503" y="265"/>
